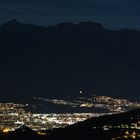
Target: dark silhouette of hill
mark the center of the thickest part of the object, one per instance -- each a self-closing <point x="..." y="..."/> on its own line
<point x="86" y="129"/>
<point x="114" y="119"/>
<point x="83" y="55"/>
<point x="22" y="133"/>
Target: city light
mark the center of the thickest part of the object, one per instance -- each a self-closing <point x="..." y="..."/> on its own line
<point x="5" y="130"/>
<point x="14" y="115"/>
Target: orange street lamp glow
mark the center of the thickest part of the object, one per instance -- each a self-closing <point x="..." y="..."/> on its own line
<point x="5" y="130"/>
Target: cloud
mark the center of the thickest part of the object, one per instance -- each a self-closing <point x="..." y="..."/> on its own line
<point x="8" y="9"/>
<point x="54" y="11"/>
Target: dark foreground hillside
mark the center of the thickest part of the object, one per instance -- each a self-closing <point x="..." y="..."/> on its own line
<point x="70" y="135"/>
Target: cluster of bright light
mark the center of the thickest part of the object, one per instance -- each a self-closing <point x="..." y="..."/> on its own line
<point x="103" y="102"/>
<point x="127" y="131"/>
<point x="18" y="116"/>
<point x="12" y="115"/>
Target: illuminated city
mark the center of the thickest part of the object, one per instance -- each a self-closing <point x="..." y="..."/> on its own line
<point x="12" y="115"/>
<point x="101" y="102"/>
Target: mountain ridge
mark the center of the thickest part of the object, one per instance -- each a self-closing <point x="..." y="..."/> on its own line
<point x="83" y="57"/>
<point x="62" y="25"/>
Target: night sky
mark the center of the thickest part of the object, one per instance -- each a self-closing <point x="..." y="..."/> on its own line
<point x="61" y="72"/>
<point x="111" y="13"/>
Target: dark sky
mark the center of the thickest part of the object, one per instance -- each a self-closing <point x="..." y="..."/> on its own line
<point x="111" y="13"/>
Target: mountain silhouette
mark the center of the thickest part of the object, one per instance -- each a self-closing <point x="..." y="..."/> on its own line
<point x="83" y="55"/>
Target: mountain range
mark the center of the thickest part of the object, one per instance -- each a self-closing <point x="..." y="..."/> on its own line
<point x="61" y="60"/>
